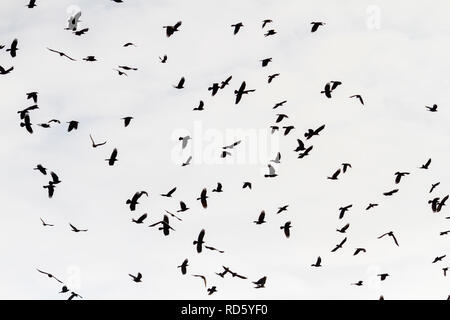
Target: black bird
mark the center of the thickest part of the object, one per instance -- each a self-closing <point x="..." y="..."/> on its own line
<point x="120" y="72"/>
<point x="128" y="68"/>
<point x="434" y="204"/>
<point x="261" y="218"/>
<point x="27" y="123"/>
<point x="74" y="229"/>
<point x="339" y="246"/>
<point x="61" y="54"/>
<point x="200" y="106"/>
<point x="184" y="266"/>
<point x="165" y="225"/>
<point x="315" y="26"/>
<point x="280" y="117"/>
<point x="272" y="76"/>
<point x="184" y="140"/>
<point x="134" y="200"/>
<point x="315" y="132"/>
<point x="112" y="158"/>
<point x="271" y="32"/>
<point x="260" y="283"/>
<point x="137" y="278"/>
<point x="444" y="233"/>
<point x="81" y="32"/>
<point x="442" y="203"/>
<point x="51" y="189"/>
<point x="5" y="71"/>
<point x="390" y="234"/>
<point x="201" y="277"/>
<point x="180" y="84"/>
<point x="199" y="242"/>
<point x="64" y="289"/>
<point x="434" y="185"/>
<point x="236" y="27"/>
<point x="399" y="175"/>
<point x="265" y="62"/>
<point x="95" y="145"/>
<point x="390" y="193"/>
<point x="359" y="283"/>
<point x="358" y="97"/>
<point x="371" y="205"/>
<point x="445" y="273"/>
<point x="358" y="250"/>
<point x="31" y="4"/>
<point x="335" y="175"/>
<point x="283" y="208"/>
<point x="345" y="166"/>
<point x="73" y="125"/>
<point x="203" y="198"/>
<point x="43" y="125"/>
<point x="265" y="22"/>
<point x="343" y="229"/>
<point x="32" y="95"/>
<point x="218" y="188"/>
<point x="286" y="227"/>
<point x="274" y="128"/>
<point x="214" y="249"/>
<point x="383" y="276"/>
<point x="173" y="215"/>
<point x="170" y="30"/>
<point x="335" y="84"/>
<point x="214" y="88"/>
<point x="288" y="129"/>
<point x="241" y="91"/>
<point x="13" y="48"/>
<point x="223" y="84"/>
<point x="211" y="290"/>
<point x="55" y="178"/>
<point x="426" y="165"/>
<point x="163" y="59"/>
<point x="234" y="144"/>
<point x="140" y="219"/>
<point x="45" y="224"/>
<point x="327" y="90"/>
<point x="90" y="59"/>
<point x="439" y="258"/>
<point x="74" y="295"/>
<point x="279" y="104"/>
<point x="343" y="210"/>
<point x="49" y="275"/>
<point x="300" y="147"/>
<point x="129" y="44"/>
<point x="247" y="185"/>
<point x="433" y="108"/>
<point x="318" y="262"/>
<point x="41" y="169"/>
<point x="169" y="194"/>
<point x="305" y="153"/>
<point x="188" y="161"/>
<point x="182" y="207"/>
<point x="126" y="121"/>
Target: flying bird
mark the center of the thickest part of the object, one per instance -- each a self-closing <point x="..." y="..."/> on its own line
<point x="4" y="71"/>
<point x="41" y="169"/>
<point x="371" y="205"/>
<point x="140" y="220"/>
<point x="112" y="158"/>
<point x="399" y="175"/>
<point x="31" y="4"/>
<point x="165" y="225"/>
<point x="426" y="165"/>
<point x="272" y="173"/>
<point x="265" y="62"/>
<point x="95" y="145"/>
<point x="315" y="26"/>
<point x="261" y="218"/>
<point x="163" y="59"/>
<point x="218" y="188"/>
<point x="343" y="229"/>
<point x="27" y="123"/>
<point x="45" y="224"/>
<point x="315" y="132"/>
<point x="32" y="95"/>
<point x="247" y="185"/>
<point x="339" y="246"/>
<point x="390" y="193"/>
<point x="439" y="258"/>
<point x="200" y="106"/>
<point x="76" y="230"/>
<point x="237" y="27"/>
<point x="184" y="140"/>
<point x="81" y="32"/>
<point x="390" y="234"/>
<point x="169" y="194"/>
<point x="134" y="200"/>
<point x="127" y="120"/>
<point x="170" y="30"/>
<point x="260" y="283"/>
<point x="61" y="54"/>
<point x="335" y="175"/>
<point x="383" y="276"/>
<point x="279" y="104"/>
<point x="283" y="208"/>
<point x="187" y="162"/>
<point x="199" y="242"/>
<point x="201" y="277"/>
<point x="317" y="263"/>
<point x="137" y="278"/>
<point x="73" y="125"/>
<point x="265" y="22"/>
<point x="434" y="185"/>
<point x="270" y="32"/>
<point x="13" y="48"/>
<point x="180" y="84"/>
<point x="184" y="266"/>
<point x="183" y="207"/>
<point x="433" y="108"/>
<point x="223" y="84"/>
<point x="286" y="228"/>
<point x="343" y="210"/>
<point x="272" y="76"/>
<point x="357" y="96"/>
<point x="241" y="91"/>
<point x="49" y="275"/>
<point x="358" y="250"/>
<point x="203" y="198"/>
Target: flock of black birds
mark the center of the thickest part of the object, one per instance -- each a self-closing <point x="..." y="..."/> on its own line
<point x="164" y="225"/>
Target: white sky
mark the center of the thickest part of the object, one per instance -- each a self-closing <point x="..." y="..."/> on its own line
<point x="394" y="54"/>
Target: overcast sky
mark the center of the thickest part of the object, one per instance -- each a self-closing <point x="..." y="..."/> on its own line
<point x="394" y="54"/>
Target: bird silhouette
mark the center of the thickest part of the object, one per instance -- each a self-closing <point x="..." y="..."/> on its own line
<point x="272" y="76"/>
<point x="383" y="276"/>
<point x="439" y="258"/>
<point x="300" y="146"/>
<point x="279" y="104"/>
<point x="62" y="54"/>
<point x="49" y="275"/>
<point x="317" y="263"/>
<point x="265" y="62"/>
<point x="201" y="277"/>
<point x="433" y="186"/>
<point x="45" y="224"/>
<point x="183" y="207"/>
<point x="180" y="84"/>
<point x="237" y="27"/>
<point x="184" y="266"/>
<point x="344" y="228"/>
<point x="41" y="169"/>
<point x="311" y="133"/>
<point x="399" y="175"/>
<point x="433" y="108"/>
<point x="247" y="185"/>
<point x="137" y="278"/>
<point x="140" y="220"/>
<point x="73" y="125"/>
<point x="241" y="91"/>
<point x="203" y="198"/>
<point x="358" y="250"/>
<point x="265" y="22"/>
<point x="260" y="283"/>
<point x="261" y="218"/>
<point x="163" y="59"/>
<point x="170" y="30"/>
<point x="390" y="234"/>
<point x="357" y="96"/>
<point x="112" y="158"/>
<point x="286" y="228"/>
<point x="199" y="242"/>
<point x="339" y="246"/>
<point x="134" y="200"/>
<point x="13" y="48"/>
<point x="76" y="230"/>
<point x="316" y="25"/>
<point x="426" y="165"/>
<point x="95" y="145"/>
<point x="343" y="210"/>
<point x="390" y="193"/>
<point x="335" y="175"/>
<point x="165" y="225"/>
<point x="169" y="194"/>
<point x="218" y="188"/>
